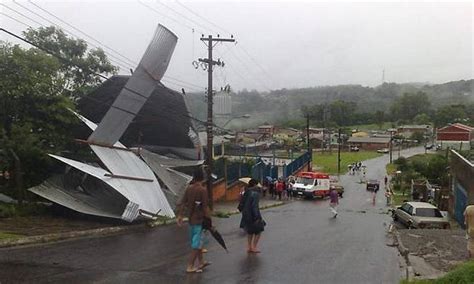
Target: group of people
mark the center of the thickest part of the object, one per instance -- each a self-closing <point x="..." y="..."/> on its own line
<point x="195" y="202"/>
<point x="280" y="188"/>
<point x="355" y="168"/>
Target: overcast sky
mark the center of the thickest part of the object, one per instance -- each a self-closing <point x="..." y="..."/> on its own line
<point x="279" y="44"/>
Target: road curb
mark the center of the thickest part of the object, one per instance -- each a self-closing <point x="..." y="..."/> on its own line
<point x="42" y="239"/>
<point x="106" y="231"/>
<point x="404" y="251"/>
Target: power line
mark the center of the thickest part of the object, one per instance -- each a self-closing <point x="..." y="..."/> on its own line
<point x="164" y="15"/>
<point x="83" y="33"/>
<point x="21" y="14"/>
<point x="239" y="46"/>
<point x="246" y="67"/>
<point x="16" y="20"/>
<point x="120" y="64"/>
<point x="88" y="70"/>
<point x="184" y="16"/>
<point x="203" y="18"/>
<point x="254" y="61"/>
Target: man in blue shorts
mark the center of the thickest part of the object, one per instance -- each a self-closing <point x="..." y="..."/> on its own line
<point x="195" y="200"/>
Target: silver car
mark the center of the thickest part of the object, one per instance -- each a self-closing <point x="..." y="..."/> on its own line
<point x="420" y="215"/>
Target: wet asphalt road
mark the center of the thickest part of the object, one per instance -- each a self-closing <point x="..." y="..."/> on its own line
<point x="301" y="244"/>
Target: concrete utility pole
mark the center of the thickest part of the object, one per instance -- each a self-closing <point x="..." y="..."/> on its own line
<point x="210" y="41"/>
<point x="339" y="140"/>
<point x="308" y="144"/>
<point x="391" y="142"/>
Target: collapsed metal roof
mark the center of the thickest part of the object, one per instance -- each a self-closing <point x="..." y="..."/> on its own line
<point x="127" y="187"/>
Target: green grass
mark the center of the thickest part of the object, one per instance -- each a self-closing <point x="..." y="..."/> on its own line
<point x="463" y="274"/>
<point x="328" y="162"/>
<point x="398" y="198"/>
<point x="8" y="236"/>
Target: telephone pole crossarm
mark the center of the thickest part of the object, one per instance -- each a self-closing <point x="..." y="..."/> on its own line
<point x="218" y="39"/>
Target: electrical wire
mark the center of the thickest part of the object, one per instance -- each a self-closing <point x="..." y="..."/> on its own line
<point x="120" y="63"/>
<point x="171" y="111"/>
<point x="123" y="64"/>
<point x="203" y="18"/>
<point x="183" y="16"/>
<point x="164" y="15"/>
<point x="83" y="33"/>
<point x="255" y="62"/>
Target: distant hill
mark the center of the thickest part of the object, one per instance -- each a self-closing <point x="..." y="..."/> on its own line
<point x="284" y="104"/>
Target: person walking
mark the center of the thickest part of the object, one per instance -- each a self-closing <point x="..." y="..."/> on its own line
<point x="252" y="220"/>
<point x="334" y="201"/>
<point x="280" y="186"/>
<point x="469" y="222"/>
<point x="289" y="188"/>
<point x="385" y="180"/>
<point x="195" y="200"/>
<point x="272" y="188"/>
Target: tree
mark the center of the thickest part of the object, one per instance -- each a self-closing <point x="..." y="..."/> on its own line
<point x="78" y="71"/>
<point x="36" y="92"/>
<point x="409" y="105"/>
<point x="379" y="118"/>
<point x="342" y="112"/>
<point x="449" y="114"/>
<point x="422" y="118"/>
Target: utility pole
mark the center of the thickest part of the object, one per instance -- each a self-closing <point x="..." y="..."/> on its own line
<point x="308" y="145"/>
<point x="339" y="140"/>
<point x="210" y="41"/>
<point x="391" y="142"/>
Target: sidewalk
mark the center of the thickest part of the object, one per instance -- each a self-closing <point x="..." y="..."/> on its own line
<point x="433" y="252"/>
<point x="37" y="230"/>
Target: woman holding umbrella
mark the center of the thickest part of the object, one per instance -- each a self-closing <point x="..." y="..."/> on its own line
<point x="252" y="220"/>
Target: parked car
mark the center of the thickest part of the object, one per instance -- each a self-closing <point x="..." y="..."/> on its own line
<point x="354" y="149"/>
<point x="384" y="150"/>
<point x="420" y="215"/>
<point x="373" y="185"/>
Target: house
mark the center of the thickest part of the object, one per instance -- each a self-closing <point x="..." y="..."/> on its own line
<point x="462" y="185"/>
<point x="267" y="129"/>
<point x="369" y="143"/>
<point x="286" y="134"/>
<point x="315" y="131"/>
<point x="407" y="131"/>
<point x="316" y="140"/>
<point x="456" y="135"/>
<point x="249" y="136"/>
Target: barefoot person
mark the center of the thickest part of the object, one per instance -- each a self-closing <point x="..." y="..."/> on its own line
<point x="195" y="200"/>
<point x="252" y="220"/>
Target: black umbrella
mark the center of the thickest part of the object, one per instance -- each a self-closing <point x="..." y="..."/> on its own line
<point x="207" y="225"/>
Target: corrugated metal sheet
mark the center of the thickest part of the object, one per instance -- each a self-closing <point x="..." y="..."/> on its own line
<point x="138" y="89"/>
<point x="176" y="182"/>
<point x="148" y="195"/>
<point x="56" y="191"/>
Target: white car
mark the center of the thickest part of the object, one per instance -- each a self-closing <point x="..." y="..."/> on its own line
<point x="383" y="151"/>
<point x="420" y="215"/>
